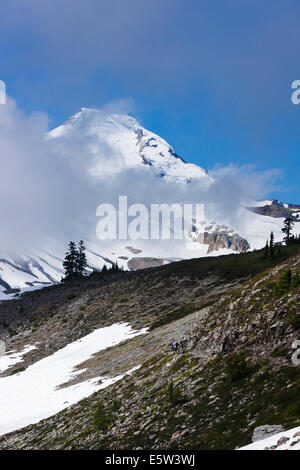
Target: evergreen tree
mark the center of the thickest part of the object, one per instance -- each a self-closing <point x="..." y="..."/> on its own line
<point x="70" y="263"/>
<point x="287" y="229"/>
<point x="116" y="267"/>
<point x="278" y="251"/>
<point x="272" y="245"/>
<point x="295" y="281"/>
<point x="266" y="250"/>
<point x="283" y="284"/>
<point x="173" y="395"/>
<point x="81" y="261"/>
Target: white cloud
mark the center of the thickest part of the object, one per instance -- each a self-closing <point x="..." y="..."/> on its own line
<point x="49" y="195"/>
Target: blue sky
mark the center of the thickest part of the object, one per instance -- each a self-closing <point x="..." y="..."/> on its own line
<point x="212" y="77"/>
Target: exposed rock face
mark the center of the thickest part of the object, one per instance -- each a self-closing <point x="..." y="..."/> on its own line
<point x="2" y="348"/>
<point x="253" y="318"/>
<point x="277" y="209"/>
<point x="133" y="250"/>
<point x="223" y="239"/>
<point x="271" y="211"/>
<point x="267" y="430"/>
<point x="135" y="264"/>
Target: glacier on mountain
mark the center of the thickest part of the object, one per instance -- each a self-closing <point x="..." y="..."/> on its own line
<point x="106" y="146"/>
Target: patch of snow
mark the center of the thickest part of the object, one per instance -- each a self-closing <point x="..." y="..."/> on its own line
<point x="32" y="395"/>
<point x="15" y="295"/>
<point x="292" y="441"/>
<point x="263" y="203"/>
<point x="11" y="358"/>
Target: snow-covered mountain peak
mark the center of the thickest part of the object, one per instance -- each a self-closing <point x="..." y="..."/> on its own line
<point x="117" y="142"/>
<point x="95" y="142"/>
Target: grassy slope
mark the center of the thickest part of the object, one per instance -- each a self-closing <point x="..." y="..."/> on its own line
<point x="216" y="409"/>
<point x="151" y="297"/>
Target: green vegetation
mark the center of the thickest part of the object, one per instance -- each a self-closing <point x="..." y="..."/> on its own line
<point x="238" y="368"/>
<point x="176" y="314"/>
<point x="271" y="245"/>
<point x="229" y="267"/>
<point x="102" y="420"/>
<point x="116" y="405"/>
<point x="75" y="261"/>
<point x="266" y="250"/>
<point x="79" y="318"/>
<point x="286" y="282"/>
<point x="71" y="296"/>
<point x="182" y="401"/>
<point x="278" y="352"/>
<point x="12" y="332"/>
<point x="287" y="229"/>
<point x="173" y="395"/>
<point x="295" y="281"/>
<point x="283" y="284"/>
<point x="293" y="318"/>
<point x="221" y="412"/>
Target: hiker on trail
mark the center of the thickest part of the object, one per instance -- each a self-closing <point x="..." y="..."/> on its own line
<point x="175" y="346"/>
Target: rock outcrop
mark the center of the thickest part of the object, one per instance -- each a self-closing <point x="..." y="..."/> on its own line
<point x="253" y="318"/>
<point x="217" y="240"/>
<point x="278" y="209"/>
<point x="266" y="430"/>
<point x="134" y="264"/>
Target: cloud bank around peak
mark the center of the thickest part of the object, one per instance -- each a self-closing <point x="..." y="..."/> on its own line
<point x="48" y="195"/>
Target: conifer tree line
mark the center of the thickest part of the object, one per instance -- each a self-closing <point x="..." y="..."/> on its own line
<point x="114" y="267"/>
<point x="269" y="250"/>
<point x="289" y="238"/>
<point x="286" y="282"/>
<point x="75" y="261"/>
<point x="287" y="229"/>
